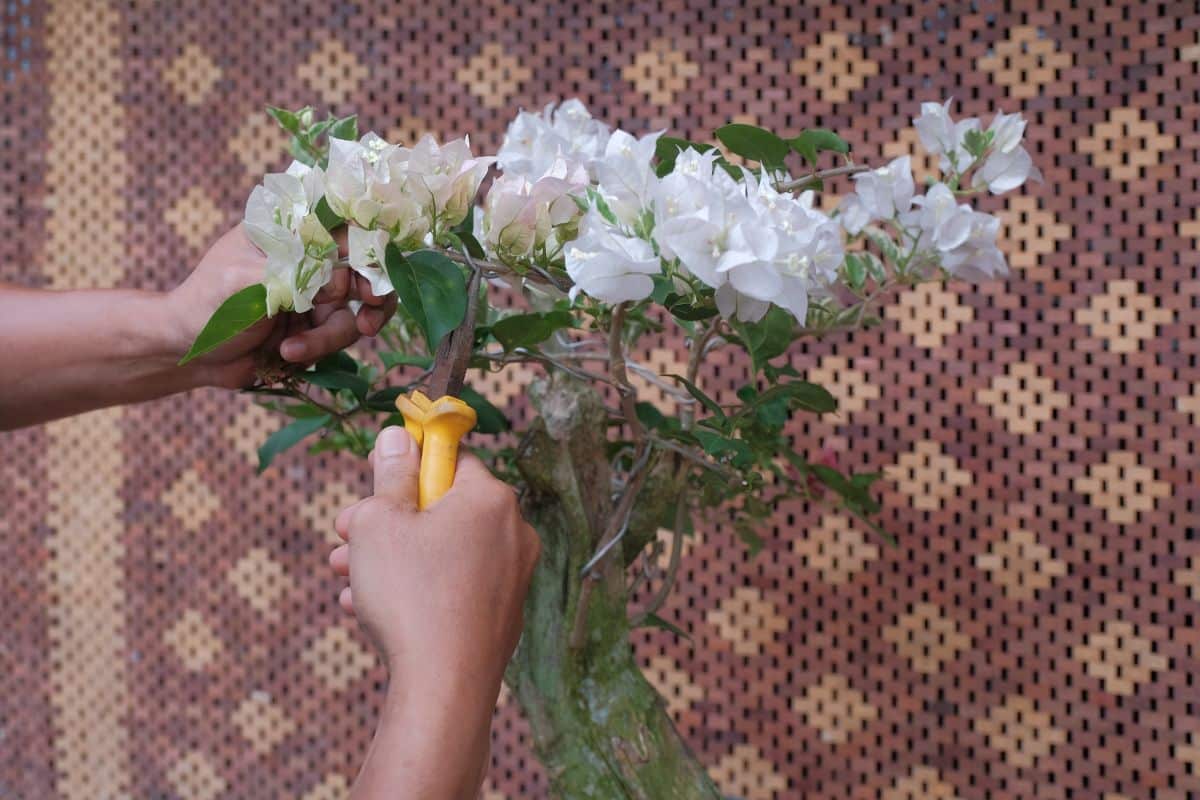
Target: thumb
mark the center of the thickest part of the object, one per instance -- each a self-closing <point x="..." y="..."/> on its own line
<point x="397" y="467"/>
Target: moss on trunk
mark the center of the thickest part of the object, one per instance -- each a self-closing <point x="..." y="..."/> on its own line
<point x="599" y="728"/>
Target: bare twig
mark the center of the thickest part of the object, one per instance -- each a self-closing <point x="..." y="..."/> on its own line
<point x="806" y="180"/>
<point x="616" y="367"/>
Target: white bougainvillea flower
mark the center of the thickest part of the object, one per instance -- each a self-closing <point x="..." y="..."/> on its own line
<point x="281" y="221"/>
<point x="978" y="257"/>
<point x="534" y="142"/>
<point x="367" y="249"/>
<point x="520" y="216"/>
<point x="366" y="185"/>
<point x="1004" y="171"/>
<point x="445" y="178"/>
<point x="734" y="305"/>
<point x="881" y="193"/>
<point x="941" y="136"/>
<point x="1006" y="130"/>
<point x="702" y="218"/>
<point x="798" y="250"/>
<point x="626" y="176"/>
<point x="609" y="266"/>
<point x="944" y="223"/>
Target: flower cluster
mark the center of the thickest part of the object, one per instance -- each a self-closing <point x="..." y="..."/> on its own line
<point x="578" y="197"/>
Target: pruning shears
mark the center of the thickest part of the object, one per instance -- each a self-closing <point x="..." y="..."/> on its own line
<point x="439" y="425"/>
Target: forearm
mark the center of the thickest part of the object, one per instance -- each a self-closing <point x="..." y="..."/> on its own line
<point x="63" y="353"/>
<point x="431" y="746"/>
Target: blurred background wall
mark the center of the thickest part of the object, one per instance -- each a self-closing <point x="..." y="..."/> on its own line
<point x="171" y="630"/>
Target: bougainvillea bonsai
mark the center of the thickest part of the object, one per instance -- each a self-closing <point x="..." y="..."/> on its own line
<point x="605" y="237"/>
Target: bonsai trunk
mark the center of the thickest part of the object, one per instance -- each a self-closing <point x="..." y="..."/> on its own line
<point x="599" y="728"/>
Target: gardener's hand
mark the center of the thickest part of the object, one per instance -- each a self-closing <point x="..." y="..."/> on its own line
<point x="234" y="263"/>
<point x="441" y="593"/>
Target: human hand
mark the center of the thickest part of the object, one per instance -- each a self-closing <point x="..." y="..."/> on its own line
<point x="441" y="593"/>
<point x="232" y="264"/>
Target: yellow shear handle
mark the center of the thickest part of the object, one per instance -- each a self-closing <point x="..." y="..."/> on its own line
<point x="441" y="425"/>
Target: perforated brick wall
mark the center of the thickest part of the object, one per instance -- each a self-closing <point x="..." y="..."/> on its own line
<point x="171" y="630"/>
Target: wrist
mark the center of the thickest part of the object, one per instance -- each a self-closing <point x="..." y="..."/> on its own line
<point x="156" y="340"/>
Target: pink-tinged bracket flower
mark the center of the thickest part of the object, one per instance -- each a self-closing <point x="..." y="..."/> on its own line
<point x="444" y="179"/>
<point x="520" y="216"/>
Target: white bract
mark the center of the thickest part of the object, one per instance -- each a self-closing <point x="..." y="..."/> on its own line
<point x="941" y="136"/>
<point x="280" y="219"/>
<point x="444" y="179"/>
<point x="534" y="142"/>
<point x="608" y="265"/>
<point x="626" y="174"/>
<point x="520" y="217"/>
<point x="882" y="193"/>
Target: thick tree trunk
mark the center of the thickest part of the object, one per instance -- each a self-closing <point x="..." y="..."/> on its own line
<point x="599" y="728"/>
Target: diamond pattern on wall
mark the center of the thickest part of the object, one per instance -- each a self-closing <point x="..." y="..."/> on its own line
<point x="191" y="502"/>
<point x="923" y="783"/>
<point x="1119" y="657"/>
<point x="836" y="548"/>
<point x="192" y="74"/>
<point x="835" y="708"/>
<point x="259" y="144"/>
<point x="673" y="684"/>
<point x="929" y="476"/>
<point x="1026" y="63"/>
<point x="1018" y="730"/>
<point x="493" y="75"/>
<point x="1122" y="487"/>
<point x="195" y="218"/>
<point x="847" y="383"/>
<point x="929" y="314"/>
<point x="333" y="787"/>
<point x="1031" y="231"/>
<point x="194" y="777"/>
<point x="747" y="620"/>
<point x="1126" y="145"/>
<point x="660" y="72"/>
<point x="260" y="581"/>
<point x="746" y="774"/>
<point x="1123" y="316"/>
<point x="1021" y="565"/>
<point x="334" y="72"/>
<point x="927" y="637"/>
<point x="833" y="68"/>
<point x="262" y="722"/>
<point x="1023" y="398"/>
<point x="337" y="658"/>
<point x="194" y="641"/>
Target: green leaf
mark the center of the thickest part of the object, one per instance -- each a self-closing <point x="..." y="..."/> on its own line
<point x="713" y="406"/>
<point x="812" y="141"/>
<point x="431" y="289"/>
<point x="239" y="312"/>
<point x="329" y="220"/>
<point x="474" y="248"/>
<point x="664" y="287"/>
<point x="754" y="143"/>
<point x="692" y="313"/>
<point x="287" y="120"/>
<point x="393" y="359"/>
<point x="526" y="330"/>
<point x="650" y="416"/>
<point x="655" y="621"/>
<point x="385" y="399"/>
<point x="856" y="271"/>
<point x="801" y="394"/>
<point x="745" y="531"/>
<point x="489" y="418"/>
<point x="345" y="128"/>
<point x="885" y="244"/>
<point x="770" y="337"/>
<point x="602" y="206"/>
<point x="977" y="142"/>
<point x="341" y="361"/>
<point x="287" y="436"/>
<point x="301" y="153"/>
<point x="667" y="150"/>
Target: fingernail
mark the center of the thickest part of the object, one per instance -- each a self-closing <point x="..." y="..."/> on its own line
<point x="393" y="441"/>
<point x="292" y="350"/>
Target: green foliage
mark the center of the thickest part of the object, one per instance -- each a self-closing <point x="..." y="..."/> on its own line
<point x="754" y="143"/>
<point x="239" y="312"/>
<point x="489" y="418"/>
<point x="768" y="338"/>
<point x="527" y="330"/>
<point x="310" y="138"/>
<point x="288" y="436"/>
<point x="655" y="621"/>
<point x="431" y="290"/>
<point x="667" y="150"/>
<point x="976" y="142"/>
<point x="815" y="140"/>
